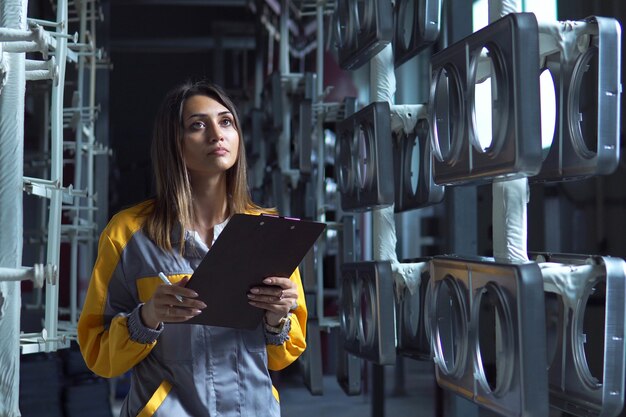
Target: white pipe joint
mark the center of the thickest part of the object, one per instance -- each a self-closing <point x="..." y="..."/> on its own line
<point x="404" y="117"/>
<point x="567" y="37"/>
<point x="42" y="70"/>
<point x="36" y="35"/>
<point x="37" y="274"/>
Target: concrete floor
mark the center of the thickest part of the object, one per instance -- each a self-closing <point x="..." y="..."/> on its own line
<point x="417" y="399"/>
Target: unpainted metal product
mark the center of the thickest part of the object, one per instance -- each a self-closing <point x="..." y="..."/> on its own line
<point x="485" y="324"/>
<point x="364" y="28"/>
<point x="311" y="362"/>
<point x="414" y="183"/>
<point x="585" y="310"/>
<point x="503" y="57"/>
<point x="363" y="153"/>
<point x="417" y="24"/>
<point x="272" y="96"/>
<point x="412" y="335"/>
<point x="348" y="371"/>
<point x="367" y="311"/>
<point x="301" y="101"/>
<point x="584" y="59"/>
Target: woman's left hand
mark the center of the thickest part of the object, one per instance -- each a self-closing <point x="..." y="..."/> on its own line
<point x="278" y="297"/>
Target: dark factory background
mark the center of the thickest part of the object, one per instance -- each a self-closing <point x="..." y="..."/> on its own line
<point x="151" y="45"/>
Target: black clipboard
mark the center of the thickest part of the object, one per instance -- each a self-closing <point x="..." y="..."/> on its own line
<point x="250" y="248"/>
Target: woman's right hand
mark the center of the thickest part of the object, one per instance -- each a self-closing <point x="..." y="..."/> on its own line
<point x="165" y="307"/>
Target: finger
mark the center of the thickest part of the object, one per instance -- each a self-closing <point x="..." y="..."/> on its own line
<point x="280" y="309"/>
<point x="175" y="290"/>
<point x="282" y="297"/>
<point x="284" y="283"/>
<point x="177" y="314"/>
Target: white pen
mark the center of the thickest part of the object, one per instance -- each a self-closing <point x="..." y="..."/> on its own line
<point x="167" y="282"/>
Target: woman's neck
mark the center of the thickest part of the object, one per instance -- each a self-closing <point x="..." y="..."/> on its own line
<point x="210" y="204"/>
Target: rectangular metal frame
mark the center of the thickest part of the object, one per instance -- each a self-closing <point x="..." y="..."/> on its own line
<point x="427" y="192"/>
<point x="568" y="157"/>
<point x="376" y="190"/>
<point x="520" y="287"/>
<point x="374" y="341"/>
<point x="424" y="30"/>
<point x="311" y="360"/>
<point x="516" y="151"/>
<point x="568" y="389"/>
<point x="364" y="37"/>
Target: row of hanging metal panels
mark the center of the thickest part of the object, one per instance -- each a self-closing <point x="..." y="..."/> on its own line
<point x="510" y="336"/>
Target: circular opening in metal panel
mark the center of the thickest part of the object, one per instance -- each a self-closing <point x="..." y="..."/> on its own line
<point x="547" y="93"/>
<point x="364" y="13"/>
<point x="583" y="104"/>
<point x="411" y="312"/>
<point x="450" y="344"/>
<point x="345" y="23"/>
<point x="495" y="343"/>
<point x="367" y="316"/>
<point x="554" y="316"/>
<point x="588" y="334"/>
<point x="365" y="166"/>
<point x="447" y="124"/>
<point x="412" y="164"/>
<point x="489" y="100"/>
<point x="343" y="155"/>
<point x="407" y="17"/>
<point x="349" y="309"/>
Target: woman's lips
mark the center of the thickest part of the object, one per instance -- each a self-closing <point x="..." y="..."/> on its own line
<point x="219" y="152"/>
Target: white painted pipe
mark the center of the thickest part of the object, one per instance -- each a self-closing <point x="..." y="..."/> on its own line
<point x="13" y="16"/>
<point x="510" y="198"/>
<point x="56" y="174"/>
<point x="383" y="88"/>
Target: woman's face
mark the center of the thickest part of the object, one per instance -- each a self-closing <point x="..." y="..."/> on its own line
<point x="210" y="140"/>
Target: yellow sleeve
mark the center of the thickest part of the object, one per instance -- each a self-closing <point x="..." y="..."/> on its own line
<point x="102" y="328"/>
<point x="280" y="356"/>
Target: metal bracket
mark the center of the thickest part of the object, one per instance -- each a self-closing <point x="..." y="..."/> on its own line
<point x="368" y="312"/>
<point x="414" y="183"/>
<point x="485" y="324"/>
<point x="417" y="26"/>
<point x="364" y="28"/>
<point x="363" y="154"/>
<point x="505" y="53"/>
<point x="582" y="383"/>
<point x="586" y="134"/>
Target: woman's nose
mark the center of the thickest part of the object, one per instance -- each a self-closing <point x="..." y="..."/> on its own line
<point x="214" y="133"/>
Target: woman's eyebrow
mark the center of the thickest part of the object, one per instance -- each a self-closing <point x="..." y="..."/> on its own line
<point x="206" y="115"/>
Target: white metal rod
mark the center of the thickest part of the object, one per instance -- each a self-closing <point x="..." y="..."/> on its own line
<point x="40" y="75"/>
<point x="44" y="22"/>
<point x="56" y="174"/>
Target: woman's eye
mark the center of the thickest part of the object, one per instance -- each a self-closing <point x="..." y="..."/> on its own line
<point x="197" y="125"/>
<point x="227" y="122"/>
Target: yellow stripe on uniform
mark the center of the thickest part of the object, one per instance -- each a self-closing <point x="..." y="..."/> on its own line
<point x="275" y="392"/>
<point x="156" y="400"/>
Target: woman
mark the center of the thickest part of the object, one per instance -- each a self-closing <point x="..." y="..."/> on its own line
<point x="131" y="321"/>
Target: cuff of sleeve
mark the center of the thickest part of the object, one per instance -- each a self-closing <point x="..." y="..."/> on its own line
<point x="278" y="338"/>
<point x="138" y="331"/>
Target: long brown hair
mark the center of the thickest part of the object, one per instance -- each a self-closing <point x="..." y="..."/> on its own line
<point x="173" y="203"/>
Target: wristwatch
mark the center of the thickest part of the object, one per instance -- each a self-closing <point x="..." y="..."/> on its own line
<point x="279" y="327"/>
